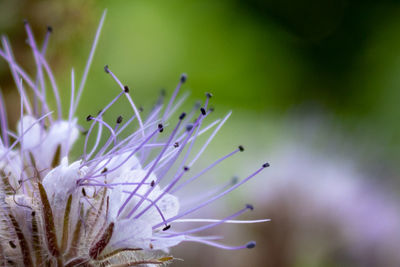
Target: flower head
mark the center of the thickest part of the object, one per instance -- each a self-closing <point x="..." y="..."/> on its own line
<point x="116" y="205"/>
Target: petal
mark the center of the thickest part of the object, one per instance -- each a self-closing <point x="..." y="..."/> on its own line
<point x="165" y="243"/>
<point x="32" y="132"/>
<point x="131" y="234"/>
<point x="120" y="164"/>
<point x="61" y="181"/>
<point x="168" y="205"/>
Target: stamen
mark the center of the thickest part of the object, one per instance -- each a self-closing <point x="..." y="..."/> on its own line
<point x="249" y="245"/>
<point x="18" y="140"/>
<point x="151" y="168"/>
<point x="171" y="101"/>
<point x="129" y="99"/>
<point x="210" y="139"/>
<point x="14" y="73"/>
<point x="89" y="61"/>
<point x="218" y="222"/>
<point x="205" y="170"/>
<point x="14" y="66"/>
<point x="127" y="158"/>
<point x="3" y="122"/>
<point x="180" y="215"/>
<point x="40" y="78"/>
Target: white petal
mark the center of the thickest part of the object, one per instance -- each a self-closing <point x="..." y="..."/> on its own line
<point x="122" y="163"/>
<point x="168" y="205"/>
<point x="61" y="181"/>
<point x="11" y="165"/>
<point x="61" y="133"/>
<point x="165" y="243"/>
<point x="33" y="134"/>
<point x="132" y="234"/>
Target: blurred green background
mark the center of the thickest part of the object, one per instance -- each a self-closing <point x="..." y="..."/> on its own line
<point x="317" y="79"/>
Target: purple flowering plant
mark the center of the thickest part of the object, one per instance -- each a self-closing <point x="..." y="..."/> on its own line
<point x="115" y="204"/>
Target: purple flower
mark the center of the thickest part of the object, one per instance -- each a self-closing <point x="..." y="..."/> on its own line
<point x="114" y="206"/>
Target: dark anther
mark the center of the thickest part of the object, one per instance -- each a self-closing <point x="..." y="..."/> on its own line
<point x="189" y="127"/>
<point x="126" y="89"/>
<point x="25" y="21"/>
<point x="141" y="109"/>
<point x="176" y="144"/>
<point x="234" y="180"/>
<point x="160" y="128"/>
<point x="251" y="244"/>
<point x="209" y="95"/>
<point x="183" y="77"/>
<point x="166" y="227"/>
<point x="241" y="148"/>
<point x="182" y="116"/>
<point x="197" y="104"/>
<point x="106" y="69"/>
<point x="49" y="29"/>
<point x="85" y="132"/>
<point x="119" y="119"/>
<point x="265" y="165"/>
<point x="152" y="183"/>
<point x="104" y="170"/>
<point x="89" y="118"/>
<point x="249" y="206"/>
<point x="19" y="181"/>
<point x="100" y="111"/>
<point x="83" y="192"/>
<point x="186" y="168"/>
<point x="203" y="111"/>
<point x="12" y="244"/>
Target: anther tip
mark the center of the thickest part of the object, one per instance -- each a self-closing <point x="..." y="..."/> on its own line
<point x="126" y="89"/>
<point x="166" y="227"/>
<point x="25" y="22"/>
<point x="189" y="127"/>
<point x="250" y="207"/>
<point x="119" y="119"/>
<point x="234" y="180"/>
<point x="182" y="116"/>
<point x="176" y="144"/>
<point x="160" y="128"/>
<point x="203" y="111"/>
<point x="163" y="92"/>
<point x="208" y="95"/>
<point x="251" y="244"/>
<point x="186" y="168"/>
<point x="106" y="69"/>
<point x="89" y="118"/>
<point x="49" y="29"/>
<point x="266" y="165"/>
<point x="152" y="183"/>
<point x="241" y="148"/>
<point x="183" y="77"/>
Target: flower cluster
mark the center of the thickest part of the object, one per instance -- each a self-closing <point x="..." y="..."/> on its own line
<point x="115" y="205"/>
